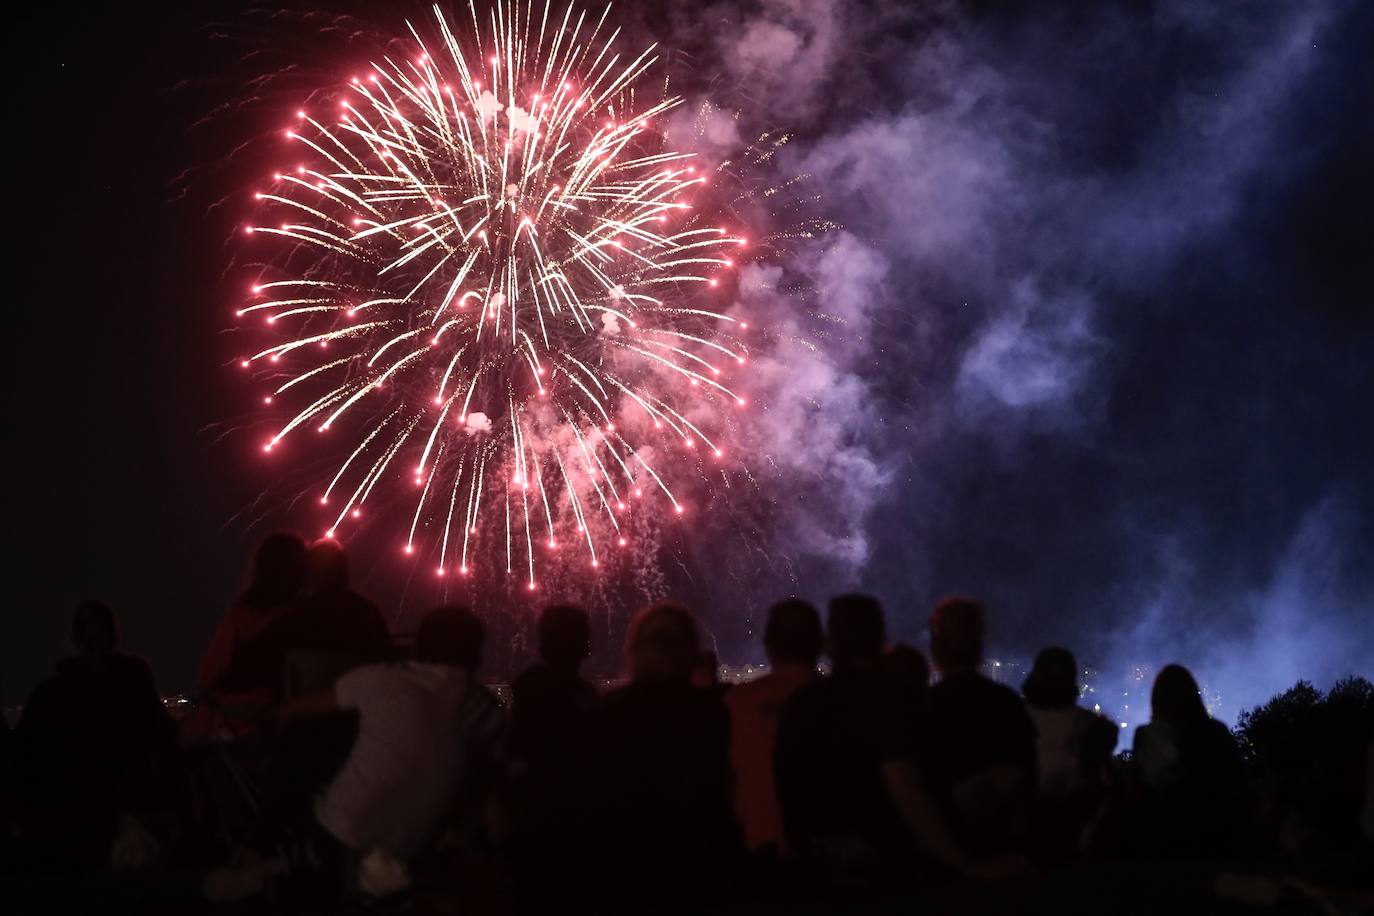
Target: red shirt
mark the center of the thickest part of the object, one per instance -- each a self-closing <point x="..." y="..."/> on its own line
<point x="754" y="709"/>
<point x="235" y="628"/>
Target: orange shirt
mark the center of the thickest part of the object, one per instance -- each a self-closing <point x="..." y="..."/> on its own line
<point x="754" y="709"/>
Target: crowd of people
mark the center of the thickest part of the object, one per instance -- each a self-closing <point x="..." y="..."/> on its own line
<point x="323" y="759"/>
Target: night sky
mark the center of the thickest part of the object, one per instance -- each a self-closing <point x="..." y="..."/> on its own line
<point x="1093" y="337"/>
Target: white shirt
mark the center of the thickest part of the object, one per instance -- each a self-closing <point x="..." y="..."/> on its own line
<point x="1059" y="744"/>
<point x="417" y="724"/>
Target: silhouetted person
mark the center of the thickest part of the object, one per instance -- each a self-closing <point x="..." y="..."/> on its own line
<point x="427" y="738"/>
<point x="666" y="830"/>
<point x="1073" y="753"/>
<point x="853" y="804"/>
<point x="793" y="641"/>
<point x="980" y="744"/>
<point x="551" y="706"/>
<point x="1191" y="766"/>
<point x="550" y="699"/>
<point x="1072" y="744"/>
<point x="276" y="577"/>
<point x="323" y="633"/>
<point x="89" y="743"/>
<point x="332" y="616"/>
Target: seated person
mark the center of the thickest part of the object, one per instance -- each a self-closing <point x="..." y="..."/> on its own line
<point x="979" y="747"/>
<point x="1191" y="767"/>
<point x="551" y="713"/>
<point x="233" y="702"/>
<point x="427" y="729"/>
<point x="854" y="806"/>
<point x="661" y="772"/>
<point x="325" y="632"/>
<point x="794" y="641"/>
<point x="1072" y="744"/>
<point x="89" y="744"/>
<point x="550" y="700"/>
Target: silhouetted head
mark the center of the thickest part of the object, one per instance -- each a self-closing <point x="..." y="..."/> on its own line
<point x="662" y="643"/>
<point x="278" y="571"/>
<point x="565" y="636"/>
<point x="1176" y="698"/>
<point x="855" y="631"/>
<point x="956" y="634"/>
<point x="450" y="635"/>
<point x="793" y="634"/>
<point x="94" y="628"/>
<point x="1053" y="681"/>
<point x="326" y="566"/>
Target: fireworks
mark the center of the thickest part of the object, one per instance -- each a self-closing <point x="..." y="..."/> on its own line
<point x="489" y="273"/>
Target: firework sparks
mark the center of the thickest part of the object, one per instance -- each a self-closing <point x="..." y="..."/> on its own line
<point x="490" y="272"/>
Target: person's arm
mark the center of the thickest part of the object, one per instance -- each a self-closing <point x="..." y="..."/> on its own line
<point x="914" y="804"/>
<point x="355" y="690"/>
<point x="320" y="703"/>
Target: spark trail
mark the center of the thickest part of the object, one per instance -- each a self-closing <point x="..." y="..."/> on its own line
<point x="489" y="273"/>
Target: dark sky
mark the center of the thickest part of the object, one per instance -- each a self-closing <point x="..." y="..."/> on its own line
<point x="1102" y="285"/>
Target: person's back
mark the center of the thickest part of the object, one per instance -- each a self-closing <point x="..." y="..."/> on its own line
<point x="550" y="701"/>
<point x="1060" y="735"/>
<point x="424" y="726"/>
<point x="662" y="770"/>
<point x="793" y="640"/>
<point x="548" y="706"/>
<point x="104" y="705"/>
<point x="834" y="737"/>
<point x="1072" y="744"/>
<point x="979" y="747"/>
<point x="550" y="717"/>
<point x="1191" y="766"/>
<point x="1183" y="749"/>
<point x="234" y="693"/>
<point x="398" y="779"/>
<point x="973" y="724"/>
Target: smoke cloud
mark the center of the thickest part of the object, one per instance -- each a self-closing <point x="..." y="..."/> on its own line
<point x="1035" y="364"/>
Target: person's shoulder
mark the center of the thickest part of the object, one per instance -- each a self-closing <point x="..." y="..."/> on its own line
<point x="135" y="671"/>
<point x="1147" y="733"/>
<point x="1218" y="734"/>
<point x="986" y="690"/>
<point x="1004" y="694"/>
<point x="957" y="684"/>
<point x="45" y="691"/>
<point x="809" y="699"/>
<point x="532" y="680"/>
<point x="134" y="665"/>
<point x="962" y="688"/>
